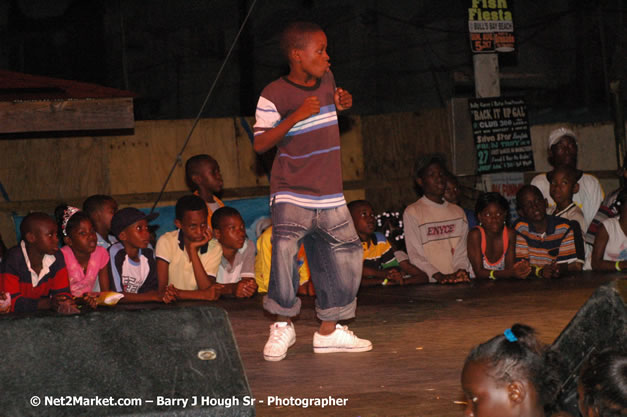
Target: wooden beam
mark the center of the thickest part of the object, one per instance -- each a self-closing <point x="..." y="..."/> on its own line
<point x="66" y="115"/>
<point x="147" y="198"/>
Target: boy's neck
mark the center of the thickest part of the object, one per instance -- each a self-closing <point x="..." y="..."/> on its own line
<point x="131" y="251"/>
<point x="438" y="199"/>
<point x="102" y="230"/>
<point x="364" y="237"/>
<point x="301" y="78"/>
<point x="206" y="195"/>
<point x="35" y="257"/>
<point x="540" y="226"/>
<point x="229" y="254"/>
<point x="563" y="204"/>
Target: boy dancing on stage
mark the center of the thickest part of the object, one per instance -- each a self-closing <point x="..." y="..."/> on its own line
<point x="298" y="114"/>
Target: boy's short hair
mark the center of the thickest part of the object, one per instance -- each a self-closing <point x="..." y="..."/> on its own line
<point x="570" y="172"/>
<point x="189" y="203"/>
<point x="424" y="161"/>
<point x="222" y="213"/>
<point x="525" y="189"/>
<point x="95" y="202"/>
<point x="127" y="216"/>
<point x="294" y="36"/>
<point x="357" y="203"/>
<point x="32" y="218"/>
<point x="191" y="168"/>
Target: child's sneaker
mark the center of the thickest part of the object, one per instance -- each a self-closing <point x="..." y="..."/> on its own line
<point x="282" y="336"/>
<point x="341" y="340"/>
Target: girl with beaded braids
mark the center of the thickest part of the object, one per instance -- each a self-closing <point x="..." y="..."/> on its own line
<point x="508" y="376"/>
<point x="86" y="262"/>
<point x="610" y="246"/>
<point x="603" y="385"/>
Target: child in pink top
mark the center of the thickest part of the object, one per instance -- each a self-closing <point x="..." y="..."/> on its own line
<point x="84" y="259"/>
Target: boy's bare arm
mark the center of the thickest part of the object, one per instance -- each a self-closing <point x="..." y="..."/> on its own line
<point x="146" y="297"/>
<point x="268" y="139"/>
<point x="203" y="280"/>
<point x="210" y="294"/>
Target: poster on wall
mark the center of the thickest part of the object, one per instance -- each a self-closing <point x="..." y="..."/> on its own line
<point x="501" y="132"/>
<point x="507" y="184"/>
<point x="491" y="26"/>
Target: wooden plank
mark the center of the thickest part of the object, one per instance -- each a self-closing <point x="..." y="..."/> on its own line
<point x="66" y="115"/>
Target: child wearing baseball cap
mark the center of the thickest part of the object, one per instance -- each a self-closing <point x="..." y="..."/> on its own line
<point x="133" y="268"/>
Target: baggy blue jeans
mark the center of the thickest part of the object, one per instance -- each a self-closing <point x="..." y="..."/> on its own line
<point x="335" y="257"/>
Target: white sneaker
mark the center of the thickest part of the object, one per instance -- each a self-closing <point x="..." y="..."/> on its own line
<point x="341" y="340"/>
<point x="282" y="336"/>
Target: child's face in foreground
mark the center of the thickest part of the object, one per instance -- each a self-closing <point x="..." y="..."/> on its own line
<point x="492" y="218"/>
<point x="232" y="232"/>
<point x="363" y="218"/>
<point x="83" y="238"/>
<point x="562" y="188"/>
<point x="193" y="224"/>
<point x="485" y="396"/>
<point x="209" y="177"/>
<point x="314" y="60"/>
<point x="43" y="237"/>
<point x="533" y="206"/>
<point x="433" y="182"/>
<point x="136" y="235"/>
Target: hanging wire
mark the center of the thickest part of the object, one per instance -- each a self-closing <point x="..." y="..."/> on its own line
<point x="179" y="156"/>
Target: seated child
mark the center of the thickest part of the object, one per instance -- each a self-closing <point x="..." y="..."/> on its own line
<point x="132" y="268"/>
<point x="202" y="174"/>
<point x="607" y="209"/>
<point x="509" y="376"/>
<point x="610" y="246"/>
<point x="390" y="224"/>
<point x="100" y="209"/>
<point x="545" y="241"/>
<point x="237" y="266"/>
<point x="436" y="230"/>
<point x="603" y="384"/>
<point x="381" y="266"/>
<point x="34" y="272"/>
<point x="453" y="193"/>
<point x="86" y="262"/>
<point x="492" y="244"/>
<point x="263" y="262"/>
<point x="187" y="258"/>
<point x="562" y="188"/>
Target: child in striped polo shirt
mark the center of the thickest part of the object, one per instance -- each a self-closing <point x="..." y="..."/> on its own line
<point x="546" y="241"/>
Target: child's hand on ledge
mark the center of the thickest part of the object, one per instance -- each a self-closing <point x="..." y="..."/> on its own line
<point x="63" y="304"/>
<point x="246" y="288"/>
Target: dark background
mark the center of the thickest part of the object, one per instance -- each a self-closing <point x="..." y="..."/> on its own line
<point x="394" y="56"/>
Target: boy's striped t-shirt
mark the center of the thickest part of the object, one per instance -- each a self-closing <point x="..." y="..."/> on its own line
<point x="557" y="244"/>
<point x="307" y="169"/>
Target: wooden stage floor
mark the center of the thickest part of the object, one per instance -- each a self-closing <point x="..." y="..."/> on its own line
<point x="421" y="336"/>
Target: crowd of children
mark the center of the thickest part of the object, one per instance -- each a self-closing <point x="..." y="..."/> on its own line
<point x="312" y="240"/>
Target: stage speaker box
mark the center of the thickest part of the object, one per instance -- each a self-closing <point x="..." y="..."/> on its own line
<point x="162" y="362"/>
<point x="599" y="324"/>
